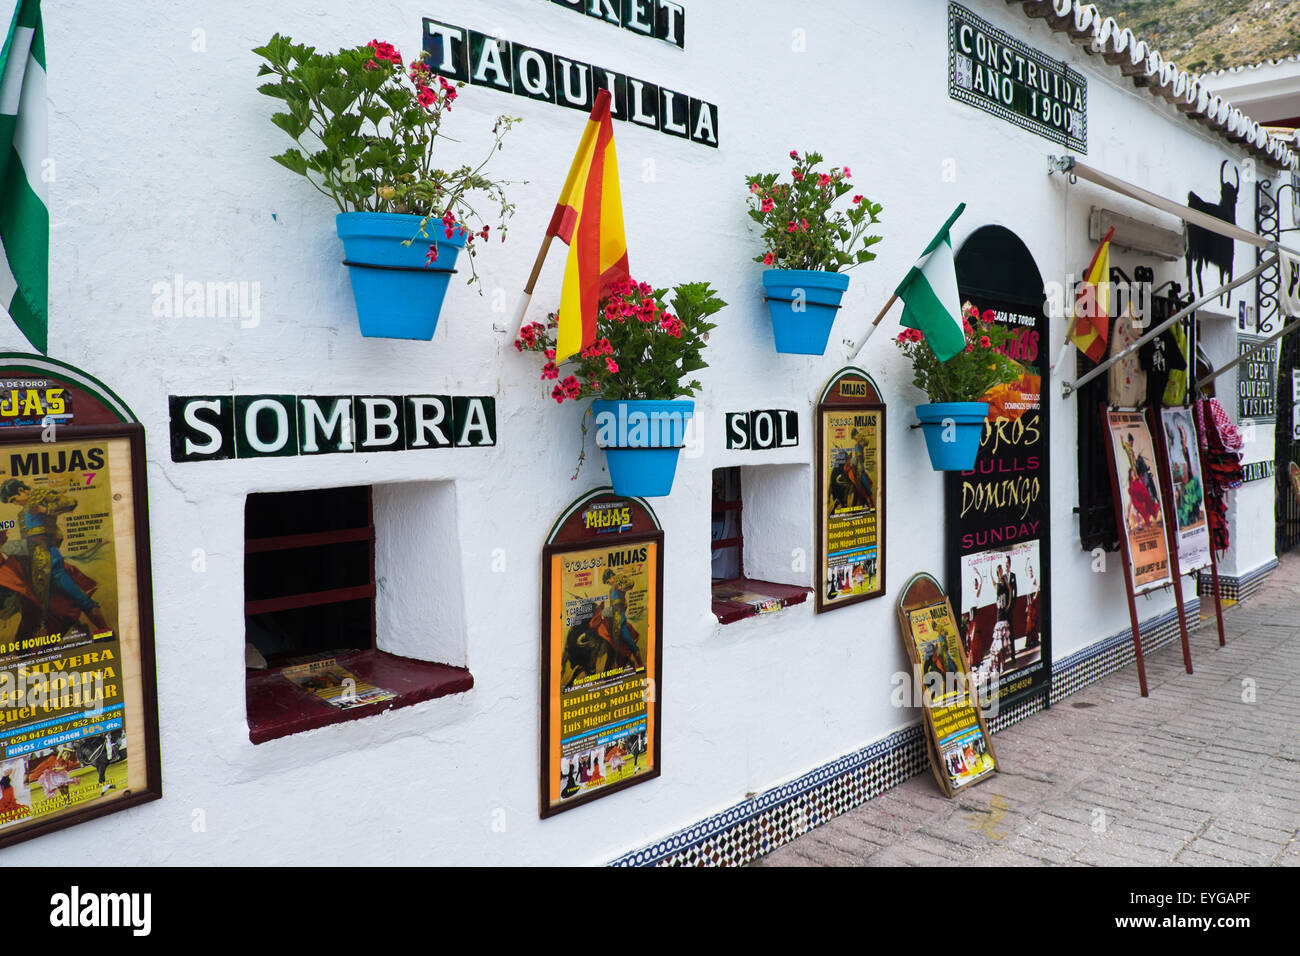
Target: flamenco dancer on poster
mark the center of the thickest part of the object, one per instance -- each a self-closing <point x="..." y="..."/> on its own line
<point x="571" y="780"/>
<point x="52" y="773"/>
<point x="1004" y="641"/>
<point x="50" y="594"/>
<point x="11" y="808"/>
<point x="1033" y="628"/>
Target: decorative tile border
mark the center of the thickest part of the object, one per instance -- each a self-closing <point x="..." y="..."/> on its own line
<point x="748" y="830"/>
<point x="1235" y="588"/>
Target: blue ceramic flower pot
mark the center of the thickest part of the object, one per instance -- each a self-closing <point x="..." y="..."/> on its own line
<point x="803" y="303"/>
<point x="952" y="433"/>
<point x="398" y="296"/>
<point x="642" y="439"/>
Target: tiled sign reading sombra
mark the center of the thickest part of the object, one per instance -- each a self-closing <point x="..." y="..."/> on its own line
<point x="213" y="427"/>
<point x="484" y="60"/>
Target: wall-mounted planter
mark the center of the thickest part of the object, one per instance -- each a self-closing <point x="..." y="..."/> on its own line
<point x="952" y="433"/>
<point x="398" y="296"/>
<point x="642" y="439"/>
<point x="803" y="303"/>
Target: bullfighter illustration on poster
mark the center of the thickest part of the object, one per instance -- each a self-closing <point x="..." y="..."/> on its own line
<point x="62" y="742"/>
<point x="603" y="668"/>
<point x="851" y="469"/>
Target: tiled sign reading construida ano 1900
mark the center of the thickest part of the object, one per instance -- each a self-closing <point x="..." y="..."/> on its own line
<point x="481" y="59"/>
<point x="214" y="427"/>
<point x="995" y="72"/>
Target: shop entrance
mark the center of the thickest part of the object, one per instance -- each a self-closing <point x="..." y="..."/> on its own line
<point x="1268" y="222"/>
<point x="999" y="546"/>
<point x="1288" y="444"/>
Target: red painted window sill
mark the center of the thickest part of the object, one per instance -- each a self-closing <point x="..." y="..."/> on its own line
<point x="278" y="708"/>
<point x="778" y="595"/>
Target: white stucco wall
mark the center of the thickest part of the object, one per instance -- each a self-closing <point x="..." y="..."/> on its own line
<point x="162" y="169"/>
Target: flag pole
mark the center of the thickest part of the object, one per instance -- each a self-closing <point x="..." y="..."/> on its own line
<point x="872" y="327"/>
<point x="522" y="309"/>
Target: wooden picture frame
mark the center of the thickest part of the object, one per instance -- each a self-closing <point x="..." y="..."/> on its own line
<point x="84" y="501"/>
<point x="601" y="651"/>
<point x="952" y="711"/>
<point x="850" y="515"/>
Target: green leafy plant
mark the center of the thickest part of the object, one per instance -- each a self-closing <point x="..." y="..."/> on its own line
<point x="969" y="374"/>
<point x="802" y="229"/>
<point x="364" y="127"/>
<point x="642" y="350"/>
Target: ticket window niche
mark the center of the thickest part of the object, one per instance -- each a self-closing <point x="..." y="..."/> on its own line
<point x="738" y="588"/>
<point x="313" y="653"/>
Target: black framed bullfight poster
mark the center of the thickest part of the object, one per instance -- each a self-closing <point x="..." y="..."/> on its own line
<point x="78" y="703"/>
<point x="850" y="423"/>
<point x="602" y="614"/>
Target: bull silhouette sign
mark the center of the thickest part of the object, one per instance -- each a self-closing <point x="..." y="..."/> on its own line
<point x="1209" y="248"/>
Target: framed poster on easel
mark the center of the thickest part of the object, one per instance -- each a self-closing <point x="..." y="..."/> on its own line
<point x="850" y="424"/>
<point x="1144" y="519"/>
<point x="1178" y="451"/>
<point x="78" y="700"/>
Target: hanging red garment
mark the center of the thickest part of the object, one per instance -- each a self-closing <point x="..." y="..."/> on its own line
<point x="1220" y="443"/>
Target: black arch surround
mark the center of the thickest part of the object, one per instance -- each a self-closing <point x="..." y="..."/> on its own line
<point x="998" y="513"/>
<point x="994" y="263"/>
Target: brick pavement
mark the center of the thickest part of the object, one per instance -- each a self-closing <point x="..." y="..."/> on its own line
<point x="1197" y="774"/>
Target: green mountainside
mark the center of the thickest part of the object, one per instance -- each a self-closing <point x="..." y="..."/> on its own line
<point x="1204" y="36"/>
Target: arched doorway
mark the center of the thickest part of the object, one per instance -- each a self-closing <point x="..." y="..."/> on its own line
<point x="998" y="516"/>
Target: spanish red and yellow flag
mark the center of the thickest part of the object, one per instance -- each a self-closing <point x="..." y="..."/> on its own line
<point x="1092" y="307"/>
<point x="589" y="218"/>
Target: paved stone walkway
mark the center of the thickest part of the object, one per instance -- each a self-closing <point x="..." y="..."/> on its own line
<point x="1201" y="773"/>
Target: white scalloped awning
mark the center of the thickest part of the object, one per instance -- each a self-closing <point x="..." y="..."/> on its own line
<point x="1118" y="46"/>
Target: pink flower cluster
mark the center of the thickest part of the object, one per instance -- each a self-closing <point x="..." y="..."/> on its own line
<point x="420" y="75"/>
<point x="528" y="336"/>
<point x="625" y="300"/>
<point x="570" y="388"/>
<point x="385" y="52"/>
<point x="598" y="348"/>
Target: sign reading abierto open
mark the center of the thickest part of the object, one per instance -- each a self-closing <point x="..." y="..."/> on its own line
<point x="995" y="72"/>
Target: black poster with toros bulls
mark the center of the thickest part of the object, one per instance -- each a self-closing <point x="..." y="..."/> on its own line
<point x="999" y="551"/>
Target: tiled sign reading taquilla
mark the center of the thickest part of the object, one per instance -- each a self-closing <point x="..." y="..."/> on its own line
<point x="481" y="59"/>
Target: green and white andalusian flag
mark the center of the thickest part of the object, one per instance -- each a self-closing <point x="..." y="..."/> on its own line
<point x="24" y="218"/>
<point x="931" y="303"/>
